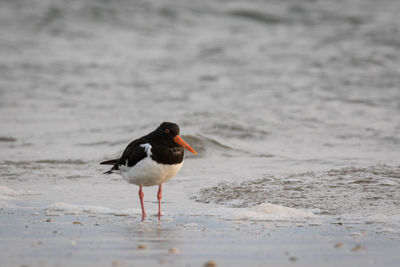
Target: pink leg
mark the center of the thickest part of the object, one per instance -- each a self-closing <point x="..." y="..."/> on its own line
<point x="159" y="196"/>
<point x="141" y="195"/>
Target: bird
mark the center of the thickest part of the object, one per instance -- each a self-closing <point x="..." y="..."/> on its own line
<point x="151" y="160"/>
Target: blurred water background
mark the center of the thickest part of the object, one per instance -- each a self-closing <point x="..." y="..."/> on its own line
<point x="293" y="103"/>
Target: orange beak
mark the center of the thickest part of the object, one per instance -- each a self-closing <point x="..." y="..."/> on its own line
<point x="179" y="140"/>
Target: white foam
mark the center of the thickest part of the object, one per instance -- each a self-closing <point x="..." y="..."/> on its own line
<point x="267" y="211"/>
<point x="7" y="195"/>
<point x="68" y="208"/>
<point x="6" y="191"/>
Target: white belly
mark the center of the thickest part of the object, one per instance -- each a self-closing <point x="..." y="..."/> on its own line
<point x="147" y="172"/>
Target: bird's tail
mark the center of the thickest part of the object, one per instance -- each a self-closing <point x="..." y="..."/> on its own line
<point x="109" y="162"/>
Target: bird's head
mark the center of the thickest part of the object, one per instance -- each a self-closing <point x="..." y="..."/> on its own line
<point x="171" y="130"/>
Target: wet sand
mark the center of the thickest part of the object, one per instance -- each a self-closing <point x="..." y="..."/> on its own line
<point x="36" y="239"/>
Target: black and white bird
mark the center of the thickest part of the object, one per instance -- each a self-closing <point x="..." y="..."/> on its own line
<point x="152" y="160"/>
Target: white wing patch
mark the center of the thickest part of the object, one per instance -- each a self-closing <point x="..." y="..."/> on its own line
<point x="147" y="148"/>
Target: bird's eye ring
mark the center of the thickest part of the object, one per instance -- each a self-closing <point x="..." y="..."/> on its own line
<point x="167" y="131"/>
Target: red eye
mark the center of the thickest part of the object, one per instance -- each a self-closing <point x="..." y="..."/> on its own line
<point x="167" y="131"/>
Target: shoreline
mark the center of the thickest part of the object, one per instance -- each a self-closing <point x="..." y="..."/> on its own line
<point x="85" y="239"/>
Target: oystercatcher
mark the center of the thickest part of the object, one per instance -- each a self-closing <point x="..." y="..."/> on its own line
<point x="152" y="160"/>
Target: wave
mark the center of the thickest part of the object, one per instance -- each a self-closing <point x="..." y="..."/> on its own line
<point x="332" y="192"/>
<point x="202" y="144"/>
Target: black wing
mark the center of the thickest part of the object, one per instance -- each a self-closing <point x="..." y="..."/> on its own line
<point x="132" y="154"/>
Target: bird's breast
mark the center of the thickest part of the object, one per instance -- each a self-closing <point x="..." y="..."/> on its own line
<point x="148" y="172"/>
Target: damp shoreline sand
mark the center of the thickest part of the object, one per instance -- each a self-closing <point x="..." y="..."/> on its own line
<point x="65" y="239"/>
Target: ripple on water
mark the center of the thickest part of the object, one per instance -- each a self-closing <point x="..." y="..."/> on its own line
<point x="7" y="139"/>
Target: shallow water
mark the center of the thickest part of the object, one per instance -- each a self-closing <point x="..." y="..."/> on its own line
<point x="291" y="103"/>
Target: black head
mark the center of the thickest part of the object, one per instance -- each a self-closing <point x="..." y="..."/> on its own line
<point x="169" y="129"/>
<point x="169" y="133"/>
